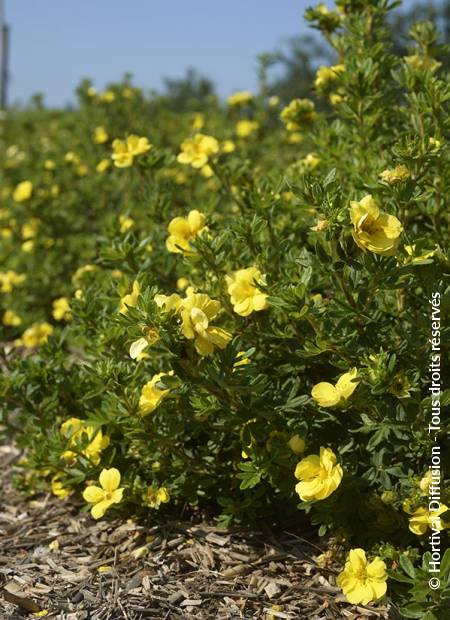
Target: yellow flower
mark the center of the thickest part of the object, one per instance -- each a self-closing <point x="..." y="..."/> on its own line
<point x="197" y="310"/>
<point x="298" y="114"/>
<point x="182" y="283"/>
<point x="71" y="158"/>
<point x="137" y="347"/>
<point x="11" y="318"/>
<point x="425" y="482"/>
<point x="6" y="233"/>
<point x="337" y="97"/>
<point x="23" y="191"/>
<point x="182" y="230"/>
<point x="197" y="150"/>
<point x="362" y="581"/>
<point x="321" y="225"/>
<point x="328" y="395"/>
<point x="155" y="497"/>
<point x="311" y="161"/>
<point x="295" y="137"/>
<point x="151" y="395"/>
<point x="395" y="175"/>
<point x="61" y="309"/>
<point x="274" y="101"/>
<point x="35" y="335"/>
<point x="9" y="279"/>
<point x="297" y="444"/>
<point x="49" y="164"/>
<point x="328" y="20"/>
<point x="107" y="96"/>
<point x="198" y="122"/>
<point x="130" y="300"/>
<point x="207" y="171"/>
<point x="244" y="128"/>
<point x="169" y="302"/>
<point x="242" y="97"/>
<point x="27" y="246"/>
<point x="373" y="229"/>
<point x="82" y="170"/>
<point x="325" y="75"/>
<point x="245" y="296"/>
<point x="423" y="519"/>
<point x="100" y="135"/>
<point x="241" y="360"/>
<point x="126" y="223"/>
<point x="417" y="258"/>
<point x="58" y="488"/>
<point x="106" y="495"/>
<point x="421" y="62"/>
<point x="81" y="271"/>
<point x="102" y="165"/>
<point x="30" y="229"/>
<point x="78" y="433"/>
<point x="319" y="475"/>
<point x="434" y="144"/>
<point x="227" y="146"/>
<point x="124" y="151"/>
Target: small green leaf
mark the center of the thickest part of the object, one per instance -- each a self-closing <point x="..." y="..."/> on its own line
<point x="414" y="610"/>
<point x="407" y="566"/>
<point x="399" y="577"/>
<point x="429" y="616"/>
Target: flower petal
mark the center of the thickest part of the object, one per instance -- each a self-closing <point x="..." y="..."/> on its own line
<point x="98" y="510"/>
<point x="93" y="494"/>
<point x="325" y="394"/>
<point x="110" y="479"/>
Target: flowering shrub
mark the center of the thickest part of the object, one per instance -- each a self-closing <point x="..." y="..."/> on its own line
<point x="238" y="321"/>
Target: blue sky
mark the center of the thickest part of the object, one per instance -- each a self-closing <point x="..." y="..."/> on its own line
<point x="54" y="43"/>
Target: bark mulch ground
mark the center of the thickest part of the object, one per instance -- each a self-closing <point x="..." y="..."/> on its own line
<point x="54" y="558"/>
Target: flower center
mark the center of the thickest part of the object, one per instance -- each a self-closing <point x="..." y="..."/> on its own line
<point x="323" y="473"/>
<point x="361" y="574"/>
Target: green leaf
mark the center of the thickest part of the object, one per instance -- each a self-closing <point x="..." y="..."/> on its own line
<point x="445" y="564"/>
<point x="414" y="610"/>
<point x="399" y="577"/>
<point x="250" y="476"/>
<point x="429" y="616"/>
<point x="322" y="256"/>
<point x="407" y="566"/>
<point x="331" y="176"/>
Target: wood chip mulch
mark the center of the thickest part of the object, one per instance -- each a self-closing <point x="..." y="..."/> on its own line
<point x="53" y="558"/>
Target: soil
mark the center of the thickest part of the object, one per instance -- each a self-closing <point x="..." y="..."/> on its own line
<point x="56" y="559"/>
